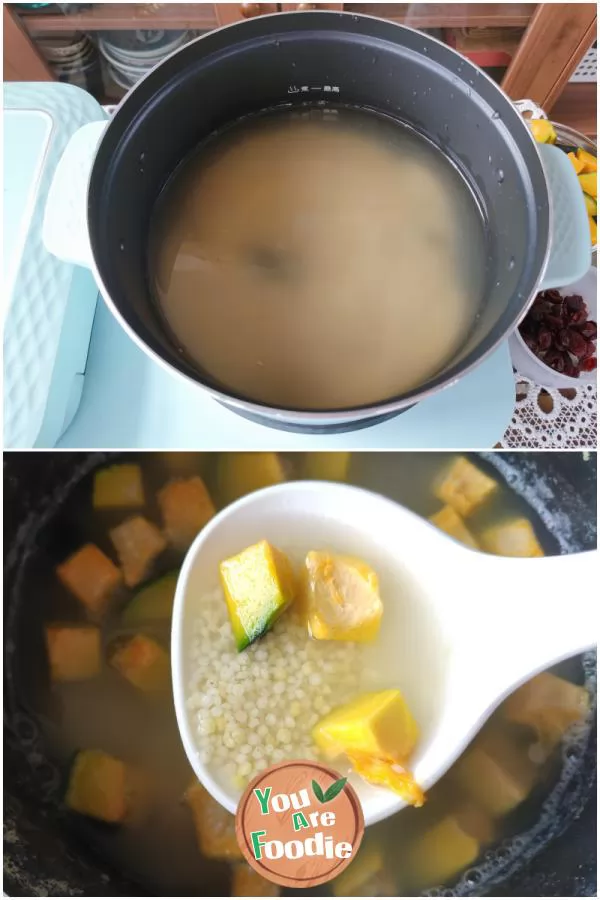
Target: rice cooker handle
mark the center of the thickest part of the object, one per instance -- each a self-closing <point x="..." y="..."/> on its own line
<point x="64" y="230"/>
<point x="570" y="249"/>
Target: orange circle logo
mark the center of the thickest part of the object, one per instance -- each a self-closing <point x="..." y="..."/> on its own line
<point x="299" y="824"/>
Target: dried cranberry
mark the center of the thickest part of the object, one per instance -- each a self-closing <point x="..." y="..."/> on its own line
<point x="553" y="296"/>
<point x="589" y="364"/>
<point x="544" y="338"/>
<point x="575" y="318"/>
<point x="590" y="350"/>
<point x="571" y="369"/>
<point x="563" y="339"/>
<point x="577" y="343"/>
<point x="574" y="302"/>
<point x="556" y="360"/>
<point x="589" y="330"/>
<point x="554" y="323"/>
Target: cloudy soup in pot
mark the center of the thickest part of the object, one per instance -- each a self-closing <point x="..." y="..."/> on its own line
<point x="319" y="259"/>
<point x="91" y="669"/>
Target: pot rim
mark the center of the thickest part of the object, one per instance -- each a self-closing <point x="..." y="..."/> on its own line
<point x="320" y="416"/>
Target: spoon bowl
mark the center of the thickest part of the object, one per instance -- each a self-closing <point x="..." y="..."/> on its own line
<point x="470" y="627"/>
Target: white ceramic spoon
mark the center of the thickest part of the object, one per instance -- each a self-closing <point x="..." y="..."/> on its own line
<point x="493" y="622"/>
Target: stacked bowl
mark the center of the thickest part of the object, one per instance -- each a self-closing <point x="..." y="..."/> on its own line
<point x="129" y="55"/>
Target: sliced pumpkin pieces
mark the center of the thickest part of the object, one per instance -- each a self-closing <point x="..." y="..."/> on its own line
<point x="588" y="161"/>
<point x="589" y="184"/>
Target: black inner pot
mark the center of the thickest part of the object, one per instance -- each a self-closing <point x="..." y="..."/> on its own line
<point x="51" y="852"/>
<point x="266" y="63"/>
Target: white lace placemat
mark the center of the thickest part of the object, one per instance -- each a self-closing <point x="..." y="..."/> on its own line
<point x="550" y="418"/>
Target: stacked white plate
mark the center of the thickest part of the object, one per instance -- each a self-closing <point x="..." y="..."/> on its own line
<point x="131" y="54"/>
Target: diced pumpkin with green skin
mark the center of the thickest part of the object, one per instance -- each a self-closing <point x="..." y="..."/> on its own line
<point x="92" y="577"/>
<point x="341" y="599"/>
<point x="593" y="230"/>
<point x="448" y="520"/>
<point x="327" y="466"/>
<point x="548" y="705"/>
<point x="589" y="184"/>
<point x="258" y="584"/>
<point x="239" y="474"/>
<point x="440" y="853"/>
<point x="118" y="486"/>
<point x="152" y="603"/>
<point x="248" y="883"/>
<point x="515" y="538"/>
<point x="186" y="508"/>
<point x="73" y="652"/>
<point x="465" y="487"/>
<point x="215" y="827"/>
<point x="143" y="662"/>
<point x="98" y="786"/>
<point x="138" y="542"/>
<point x="377" y="724"/>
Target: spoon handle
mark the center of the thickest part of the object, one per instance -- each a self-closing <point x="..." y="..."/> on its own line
<point x="541" y="611"/>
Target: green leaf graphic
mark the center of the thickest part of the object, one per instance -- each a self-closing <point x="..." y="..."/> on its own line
<point x="318" y="792"/>
<point x="334" y="789"/>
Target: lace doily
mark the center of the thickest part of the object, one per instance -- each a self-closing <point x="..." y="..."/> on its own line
<point x="548" y="417"/>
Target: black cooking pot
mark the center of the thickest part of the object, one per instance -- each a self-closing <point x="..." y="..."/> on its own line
<point x="51" y="853"/>
<point x="293" y="59"/>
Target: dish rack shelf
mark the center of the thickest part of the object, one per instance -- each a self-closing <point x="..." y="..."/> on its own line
<point x="564" y="78"/>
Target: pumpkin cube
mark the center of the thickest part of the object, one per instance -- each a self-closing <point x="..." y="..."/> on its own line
<point x="589" y="184"/>
<point x="186" y="508"/>
<point x="495" y="773"/>
<point x="142" y="662"/>
<point x="137" y="542"/>
<point x="593" y="230"/>
<point x="239" y="474"/>
<point x="215" y="827"/>
<point x="118" y="486"/>
<point x="259" y="585"/>
<point x="327" y="466"/>
<point x="91" y="576"/>
<point x="465" y="487"/>
<point x="153" y="603"/>
<point x="588" y="161"/>
<point x="341" y="598"/>
<point x="248" y="883"/>
<point x="548" y="705"/>
<point x="576" y="163"/>
<point x="377" y="724"/>
<point x="514" y="538"/>
<point x="440" y="854"/>
<point x="365" y="876"/>
<point x="98" y="786"/>
<point x="448" y="520"/>
<point x="543" y="131"/>
<point x="73" y="652"/>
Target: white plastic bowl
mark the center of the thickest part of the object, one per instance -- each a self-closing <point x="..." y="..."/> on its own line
<point x="527" y="363"/>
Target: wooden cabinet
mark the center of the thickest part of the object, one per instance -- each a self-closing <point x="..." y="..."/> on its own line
<point x="555" y="38"/>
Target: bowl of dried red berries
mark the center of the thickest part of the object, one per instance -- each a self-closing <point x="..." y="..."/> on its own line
<point x="555" y="344"/>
